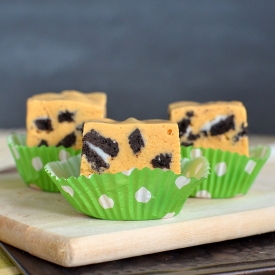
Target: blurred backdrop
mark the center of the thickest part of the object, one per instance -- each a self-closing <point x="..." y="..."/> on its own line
<point x="144" y="54"/>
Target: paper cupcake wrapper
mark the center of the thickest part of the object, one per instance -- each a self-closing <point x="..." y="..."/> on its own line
<point x="30" y="161"/>
<point x="132" y="195"/>
<point x="231" y="174"/>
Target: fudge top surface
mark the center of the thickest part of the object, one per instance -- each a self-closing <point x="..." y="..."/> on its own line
<point x="209" y="104"/>
<point x="98" y="98"/>
<point x="130" y="120"/>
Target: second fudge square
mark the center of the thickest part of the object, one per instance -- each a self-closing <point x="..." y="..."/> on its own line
<point x="57" y="119"/>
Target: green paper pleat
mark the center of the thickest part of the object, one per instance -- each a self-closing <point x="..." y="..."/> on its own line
<point x="23" y="156"/>
<point x="236" y="181"/>
<point x="165" y="199"/>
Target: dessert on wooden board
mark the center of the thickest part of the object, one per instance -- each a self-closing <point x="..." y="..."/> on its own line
<point x="132" y="161"/>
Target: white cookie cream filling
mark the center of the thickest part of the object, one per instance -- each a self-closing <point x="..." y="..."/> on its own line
<point x="207" y="126"/>
<point x="99" y="151"/>
<point x="188" y="131"/>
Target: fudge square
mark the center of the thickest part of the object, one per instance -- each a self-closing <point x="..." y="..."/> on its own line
<point x="218" y="125"/>
<point x="57" y="118"/>
<point x="110" y="146"/>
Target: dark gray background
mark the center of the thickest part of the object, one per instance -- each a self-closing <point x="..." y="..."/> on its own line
<point x="144" y="54"/>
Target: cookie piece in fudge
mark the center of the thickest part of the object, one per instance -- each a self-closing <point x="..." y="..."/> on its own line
<point x="57" y="118"/>
<point x="110" y="146"/>
<point x="217" y="125"/>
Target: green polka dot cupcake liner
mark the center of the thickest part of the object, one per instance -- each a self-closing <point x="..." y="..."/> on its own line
<point x="231" y="174"/>
<point x="30" y="161"/>
<point x="131" y="195"/>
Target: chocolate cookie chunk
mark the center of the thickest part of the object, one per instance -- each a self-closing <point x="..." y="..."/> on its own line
<point x="241" y="134"/>
<point x="43" y="142"/>
<point x="98" y="149"/>
<point x="189" y="113"/>
<point x="107" y="145"/>
<point x="68" y="140"/>
<point x="183" y="125"/>
<point x="136" y="141"/>
<point x="223" y="126"/>
<point x="96" y="162"/>
<point x="192" y="136"/>
<point x="43" y="124"/>
<point x="162" y="161"/>
<point x="186" y="144"/>
<point x="65" y="116"/>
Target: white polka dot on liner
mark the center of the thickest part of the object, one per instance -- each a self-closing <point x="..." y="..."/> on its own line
<point x="143" y="195"/>
<point x="106" y="202"/>
<point x="181" y="181"/>
<point x="37" y="163"/>
<point x="63" y="155"/>
<point x="128" y="172"/>
<point x="68" y="190"/>
<point x="195" y="153"/>
<point x="169" y="215"/>
<point x="220" y="169"/>
<point x="15" y="152"/>
<point x="250" y="166"/>
<point x="203" y="194"/>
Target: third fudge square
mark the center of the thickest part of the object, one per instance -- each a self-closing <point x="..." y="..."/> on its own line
<point x="110" y="146"/>
<point x="217" y="125"/>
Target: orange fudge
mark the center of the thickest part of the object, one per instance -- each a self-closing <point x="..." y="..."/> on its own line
<point x="217" y="125"/>
<point x="112" y="146"/>
<point x="57" y="118"/>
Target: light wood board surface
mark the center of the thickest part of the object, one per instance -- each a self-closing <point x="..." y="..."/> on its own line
<point x="45" y="225"/>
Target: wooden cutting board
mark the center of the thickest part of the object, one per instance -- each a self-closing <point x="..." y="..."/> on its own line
<point x="45" y="225"/>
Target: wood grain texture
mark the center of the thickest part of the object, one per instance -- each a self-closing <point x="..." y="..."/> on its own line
<point x="45" y="225"/>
